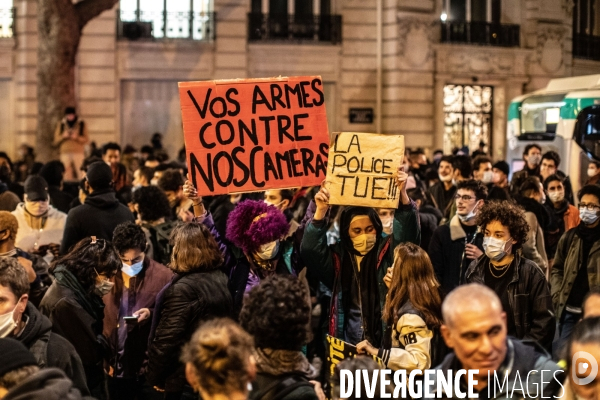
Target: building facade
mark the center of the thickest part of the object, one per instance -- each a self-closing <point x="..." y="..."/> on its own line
<point x="440" y="72"/>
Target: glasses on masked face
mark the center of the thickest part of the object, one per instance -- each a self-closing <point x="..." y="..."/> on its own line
<point x="589" y="207"/>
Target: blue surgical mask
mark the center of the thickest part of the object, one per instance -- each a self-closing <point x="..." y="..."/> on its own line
<point x="133" y="270"/>
<point x="588" y="217"/>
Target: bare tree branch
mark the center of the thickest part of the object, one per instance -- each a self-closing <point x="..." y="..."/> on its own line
<point x="89" y="9"/>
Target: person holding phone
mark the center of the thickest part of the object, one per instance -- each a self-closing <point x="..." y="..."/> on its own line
<point x="127" y="316"/>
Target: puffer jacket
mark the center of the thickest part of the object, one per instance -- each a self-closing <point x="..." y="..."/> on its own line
<point x="529" y="296"/>
<point x="188" y="300"/>
<point x="566" y="264"/>
<point x="326" y="261"/>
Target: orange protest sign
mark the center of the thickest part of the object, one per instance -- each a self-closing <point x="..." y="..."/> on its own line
<point x="255" y="134"/>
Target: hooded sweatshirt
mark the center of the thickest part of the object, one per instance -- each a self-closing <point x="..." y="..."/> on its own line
<point x="50" y="349"/>
<point x="46" y="384"/>
<point x="52" y="232"/>
<point x="98" y="216"/>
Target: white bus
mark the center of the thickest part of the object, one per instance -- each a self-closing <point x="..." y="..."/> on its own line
<point x="564" y="117"/>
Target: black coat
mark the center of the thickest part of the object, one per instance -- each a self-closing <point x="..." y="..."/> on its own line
<point x="529" y="297"/>
<point x="189" y="300"/>
<point x="98" y="216"/>
<point x="447" y="253"/>
<point x="71" y="321"/>
<point x="50" y="349"/>
<point x="59" y="199"/>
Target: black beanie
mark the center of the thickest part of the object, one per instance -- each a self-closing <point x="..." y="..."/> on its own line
<point x="14" y="356"/>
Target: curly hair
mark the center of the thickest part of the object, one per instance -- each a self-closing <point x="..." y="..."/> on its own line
<point x="9" y="221"/>
<point x="509" y="215"/>
<point x="277" y="313"/>
<point x="86" y="259"/>
<point x="171" y="180"/>
<point x="248" y="232"/>
<point x="194" y="248"/>
<point x="127" y="236"/>
<point x="219" y="353"/>
<point x="14" y="276"/>
<point x="152" y="203"/>
<point x="475" y="186"/>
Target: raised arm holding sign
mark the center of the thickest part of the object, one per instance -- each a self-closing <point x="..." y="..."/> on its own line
<point x="255" y="134"/>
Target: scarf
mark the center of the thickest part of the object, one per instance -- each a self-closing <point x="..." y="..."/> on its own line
<point x="367" y="276"/>
<point x="281" y="362"/>
<point x="92" y="304"/>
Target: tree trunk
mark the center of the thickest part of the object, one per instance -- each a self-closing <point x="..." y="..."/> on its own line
<point x="60" y="23"/>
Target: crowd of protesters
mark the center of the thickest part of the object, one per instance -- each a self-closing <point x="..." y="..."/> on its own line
<point x="118" y="281"/>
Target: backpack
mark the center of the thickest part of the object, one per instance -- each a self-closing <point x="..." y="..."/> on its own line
<point x="160" y="236"/>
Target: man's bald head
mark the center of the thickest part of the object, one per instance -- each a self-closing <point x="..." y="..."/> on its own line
<point x="468" y="298"/>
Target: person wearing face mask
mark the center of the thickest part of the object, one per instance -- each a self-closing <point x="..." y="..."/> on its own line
<point x="453" y="246"/>
<point x="593" y="173"/>
<point x="532" y="155"/>
<point x="354" y="268"/>
<point x="282" y="199"/>
<point x="134" y="295"/>
<point x="41" y="226"/>
<point x="482" y="169"/>
<point x="541" y="222"/>
<point x="73" y="303"/>
<point x="574" y="270"/>
<point x="20" y="320"/>
<point x="499" y="189"/>
<point x="549" y="166"/>
<point x="70" y="137"/>
<point x="565" y="214"/>
<point x="443" y="192"/>
<point x="519" y="283"/>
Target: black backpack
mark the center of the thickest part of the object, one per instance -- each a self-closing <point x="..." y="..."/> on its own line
<point x="160" y="236"/>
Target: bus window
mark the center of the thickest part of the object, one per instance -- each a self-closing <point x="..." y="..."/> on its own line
<point x="587" y="131"/>
<point x="540" y="115"/>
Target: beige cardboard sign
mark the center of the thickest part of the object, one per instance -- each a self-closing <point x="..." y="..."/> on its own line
<point x="362" y="169"/>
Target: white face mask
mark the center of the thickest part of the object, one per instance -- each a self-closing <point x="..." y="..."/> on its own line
<point x="557" y="196"/>
<point x="535" y="159"/>
<point x="268" y="251"/>
<point x="495" y="248"/>
<point x="469" y="216"/>
<point x="364" y="243"/>
<point x="487" y="177"/>
<point x="591" y="172"/>
<point x="104" y="287"/>
<point x="543" y="198"/>
<point x="7" y="323"/>
<point x="154" y="182"/>
<point x="277" y="206"/>
<point x="37" y="208"/>
<point x="134" y="269"/>
<point x="446" y="178"/>
<point x="388" y="223"/>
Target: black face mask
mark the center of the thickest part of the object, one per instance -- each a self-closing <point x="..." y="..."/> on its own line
<point x="5" y="173"/>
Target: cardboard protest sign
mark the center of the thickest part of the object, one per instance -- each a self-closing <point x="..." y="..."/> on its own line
<point x="362" y="169"/>
<point x="338" y="351"/>
<point x="255" y="134"/>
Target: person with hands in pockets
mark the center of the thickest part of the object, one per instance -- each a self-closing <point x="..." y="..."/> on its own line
<point x="354" y="267"/>
<point x="413" y="312"/>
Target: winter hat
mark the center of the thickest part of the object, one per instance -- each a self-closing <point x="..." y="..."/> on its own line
<point x="254" y="223"/>
<point x="502" y="166"/>
<point x="14" y="356"/>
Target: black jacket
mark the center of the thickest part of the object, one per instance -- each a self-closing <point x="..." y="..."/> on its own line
<point x="59" y="199"/>
<point x="190" y="299"/>
<point x="98" y="216"/>
<point x="529" y="296"/>
<point x="437" y="193"/>
<point x="50" y="349"/>
<point x="71" y="321"/>
<point x="447" y="253"/>
<point x="46" y="384"/>
<point x="37" y="288"/>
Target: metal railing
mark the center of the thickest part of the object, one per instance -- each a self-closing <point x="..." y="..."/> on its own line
<point x="586" y="46"/>
<point x="152" y="25"/>
<point x="7" y="22"/>
<point x="273" y="27"/>
<point x="481" y="33"/>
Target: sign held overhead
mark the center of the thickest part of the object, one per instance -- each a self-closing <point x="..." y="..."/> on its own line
<point x="362" y="169"/>
<point x="250" y="135"/>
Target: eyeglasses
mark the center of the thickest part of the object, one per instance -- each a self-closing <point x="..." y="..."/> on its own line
<point x="590" y="207"/>
<point x="464" y="197"/>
